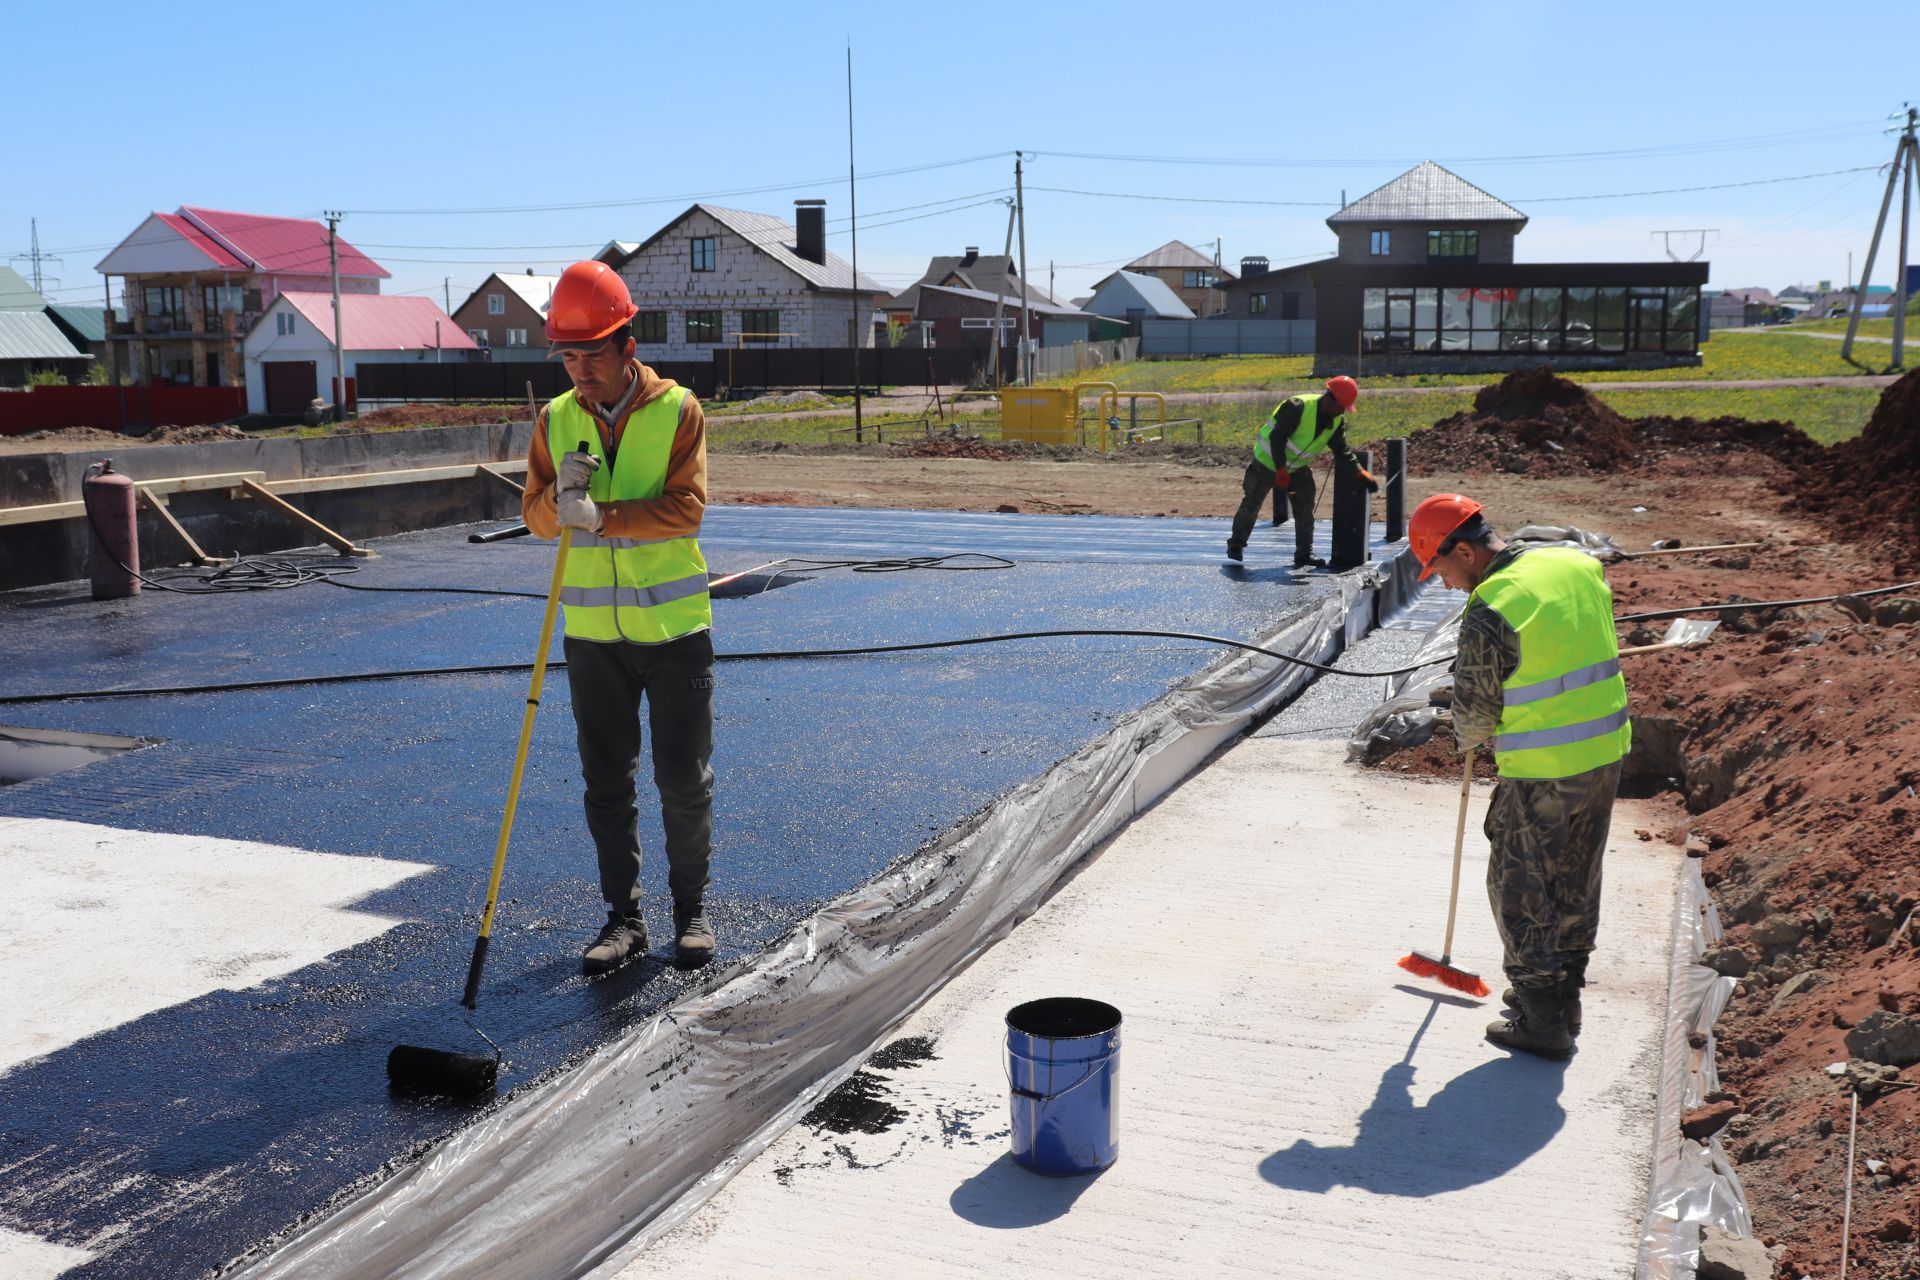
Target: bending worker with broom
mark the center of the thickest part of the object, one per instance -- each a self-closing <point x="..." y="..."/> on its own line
<point x="1538" y="674"/>
<point x="1299" y="429"/>
<point x="639" y="619"/>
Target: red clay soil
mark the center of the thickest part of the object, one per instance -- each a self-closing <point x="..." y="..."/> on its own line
<point x="1869" y="489"/>
<point x="441" y="415"/>
<point x="953" y="447"/>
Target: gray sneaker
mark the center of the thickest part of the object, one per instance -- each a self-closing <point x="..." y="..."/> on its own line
<point x="620" y="939"/>
<point x="694" y="940"/>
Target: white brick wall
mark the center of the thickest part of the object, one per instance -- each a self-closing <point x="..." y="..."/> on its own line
<point x="662" y="278"/>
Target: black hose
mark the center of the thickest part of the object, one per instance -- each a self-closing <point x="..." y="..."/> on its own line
<point x="770" y="656"/>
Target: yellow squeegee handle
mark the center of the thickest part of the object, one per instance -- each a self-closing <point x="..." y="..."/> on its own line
<point x="479" y="961"/>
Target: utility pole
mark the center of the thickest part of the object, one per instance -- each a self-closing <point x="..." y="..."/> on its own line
<point x="1050" y="292"/>
<point x="1026" y="295"/>
<point x="862" y="307"/>
<point x="1906" y="157"/>
<point x="446" y="287"/>
<point x="33" y="258"/>
<point x="339" y="355"/>
<point x="1000" y="297"/>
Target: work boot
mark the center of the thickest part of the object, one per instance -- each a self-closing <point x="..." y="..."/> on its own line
<point x="1569" y="996"/>
<point x="1309" y="562"/>
<point x="694" y="936"/>
<point x="1540" y="1027"/>
<point x="1234" y="549"/>
<point x="621" y="938"/>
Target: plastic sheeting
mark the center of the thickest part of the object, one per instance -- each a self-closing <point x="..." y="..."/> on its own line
<point x="1693" y="1184"/>
<point x="573" y="1177"/>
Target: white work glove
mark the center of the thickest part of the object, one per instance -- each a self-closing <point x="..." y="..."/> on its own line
<point x="576" y="469"/>
<point x="577" y="510"/>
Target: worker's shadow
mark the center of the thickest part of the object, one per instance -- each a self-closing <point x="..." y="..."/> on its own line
<point x="1007" y="1197"/>
<point x="1483" y="1123"/>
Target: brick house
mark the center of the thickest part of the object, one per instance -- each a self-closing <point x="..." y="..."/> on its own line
<point x="1194" y="278"/>
<point x="196" y="281"/>
<point x="507" y="315"/>
<point x="714" y="277"/>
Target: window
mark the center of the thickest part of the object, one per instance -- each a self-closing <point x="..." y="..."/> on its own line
<point x="703" y="327"/>
<point x="165" y="300"/>
<point x="986" y="322"/>
<point x="516" y="337"/>
<point x="284" y="324"/>
<point x="1379" y="243"/>
<point x="1198" y="280"/>
<point x="1290" y="305"/>
<point x="1257" y="304"/>
<point x="650" y="326"/>
<point x="1683" y="319"/>
<point x="760" y="326"/>
<point x="1453" y="244"/>
<point x="479" y="337"/>
<point x="496" y="304"/>
<point x="214" y="299"/>
<point x="703" y="253"/>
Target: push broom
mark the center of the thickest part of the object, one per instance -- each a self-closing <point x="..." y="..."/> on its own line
<point x="413" y="1067"/>
<point x="1443" y="968"/>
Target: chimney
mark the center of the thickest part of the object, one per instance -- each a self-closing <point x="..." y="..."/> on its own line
<point x="1252" y="266"/>
<point x="810" y="221"/>
<point x="973" y="255"/>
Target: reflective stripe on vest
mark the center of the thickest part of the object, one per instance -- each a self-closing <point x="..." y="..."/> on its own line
<point x="1307" y="442"/>
<point x="1564" y="708"/>
<point x="640" y="590"/>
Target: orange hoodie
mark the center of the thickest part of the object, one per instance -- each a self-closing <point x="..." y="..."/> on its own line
<point x="675" y="513"/>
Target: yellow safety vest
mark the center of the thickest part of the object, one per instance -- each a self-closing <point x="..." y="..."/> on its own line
<point x="1308" y="440"/>
<point x="633" y="589"/>
<point x="1564" y="708"/>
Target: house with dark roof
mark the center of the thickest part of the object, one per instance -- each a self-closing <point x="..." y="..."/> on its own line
<point x="1132" y="295"/>
<point x="1194" y="278"/>
<point x="1424" y="279"/>
<point x="197" y="280"/>
<point x="717" y="277"/>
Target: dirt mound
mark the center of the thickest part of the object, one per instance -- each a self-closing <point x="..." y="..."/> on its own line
<point x="1530" y="423"/>
<point x="954" y="447"/>
<point x="441" y="415"/>
<point x="1869" y="487"/>
<point x="79" y="437"/>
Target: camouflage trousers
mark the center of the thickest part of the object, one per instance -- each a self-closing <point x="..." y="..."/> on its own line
<point x="1543" y="875"/>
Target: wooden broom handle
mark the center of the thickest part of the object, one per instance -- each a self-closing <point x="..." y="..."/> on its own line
<point x="1459" y="845"/>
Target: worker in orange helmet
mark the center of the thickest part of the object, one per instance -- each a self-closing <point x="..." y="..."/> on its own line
<point x="1537" y="674"/>
<point x="631" y="482"/>
<point x="1305" y="426"/>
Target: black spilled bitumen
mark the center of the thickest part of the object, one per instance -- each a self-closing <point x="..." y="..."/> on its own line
<point x="178" y="1141"/>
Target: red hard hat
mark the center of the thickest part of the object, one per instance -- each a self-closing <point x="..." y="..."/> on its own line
<point x="1434" y="521"/>
<point x="1345" y="390"/>
<point x="588" y="304"/>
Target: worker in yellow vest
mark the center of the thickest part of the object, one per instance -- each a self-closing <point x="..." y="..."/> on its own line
<point x="1537" y="674"/>
<point x="631" y="482"/>
<point x="1299" y="429"/>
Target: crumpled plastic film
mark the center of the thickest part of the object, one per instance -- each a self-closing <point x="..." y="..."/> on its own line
<point x="1692" y="1184"/>
<point x="572" y="1178"/>
<point x="1599" y="544"/>
<point x="1408" y="719"/>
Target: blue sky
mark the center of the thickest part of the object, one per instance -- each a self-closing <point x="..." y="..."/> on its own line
<point x="481" y="111"/>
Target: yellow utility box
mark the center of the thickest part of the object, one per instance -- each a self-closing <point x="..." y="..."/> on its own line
<point x="1042" y="414"/>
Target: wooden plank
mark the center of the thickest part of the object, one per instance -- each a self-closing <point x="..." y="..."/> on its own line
<point x="166" y="485"/>
<point x="159" y="505"/>
<point x="339" y="542"/>
<point x="375" y="479"/>
<point x="499" y="473"/>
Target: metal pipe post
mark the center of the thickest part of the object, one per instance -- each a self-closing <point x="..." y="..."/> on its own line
<point x="1352" y="516"/>
<point x="1396" y="489"/>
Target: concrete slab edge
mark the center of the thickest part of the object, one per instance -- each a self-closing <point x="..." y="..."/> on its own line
<point x="571" y="1178"/>
<point x="1692" y="1185"/>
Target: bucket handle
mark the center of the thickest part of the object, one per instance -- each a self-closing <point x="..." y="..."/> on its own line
<point x="1006" y="1069"/>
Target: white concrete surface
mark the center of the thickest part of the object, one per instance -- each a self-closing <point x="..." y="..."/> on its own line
<point x="189" y="915"/>
<point x="25" y="1257"/>
<point x="1292" y="1103"/>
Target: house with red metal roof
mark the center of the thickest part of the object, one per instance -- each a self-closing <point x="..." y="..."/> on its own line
<point x="289" y="355"/>
<point x="197" y="281"/>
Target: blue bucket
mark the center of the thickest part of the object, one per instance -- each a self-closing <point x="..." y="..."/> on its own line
<point x="1063" y="1065"/>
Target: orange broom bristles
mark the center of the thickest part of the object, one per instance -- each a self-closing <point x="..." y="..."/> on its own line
<point x="1426" y="966"/>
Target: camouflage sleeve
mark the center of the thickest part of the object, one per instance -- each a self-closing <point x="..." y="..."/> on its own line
<point x="1343" y="458"/>
<point x="1489" y="652"/>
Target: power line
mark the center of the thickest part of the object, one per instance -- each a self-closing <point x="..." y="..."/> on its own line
<point x="1715" y="186"/>
<point x="1132" y="195"/>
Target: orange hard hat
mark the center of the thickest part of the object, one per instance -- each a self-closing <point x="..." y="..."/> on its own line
<point x="1434" y="522"/>
<point x="588" y="304"/>
<point x="1345" y="390"/>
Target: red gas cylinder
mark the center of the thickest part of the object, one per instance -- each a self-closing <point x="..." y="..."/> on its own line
<point x="113" y="532"/>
